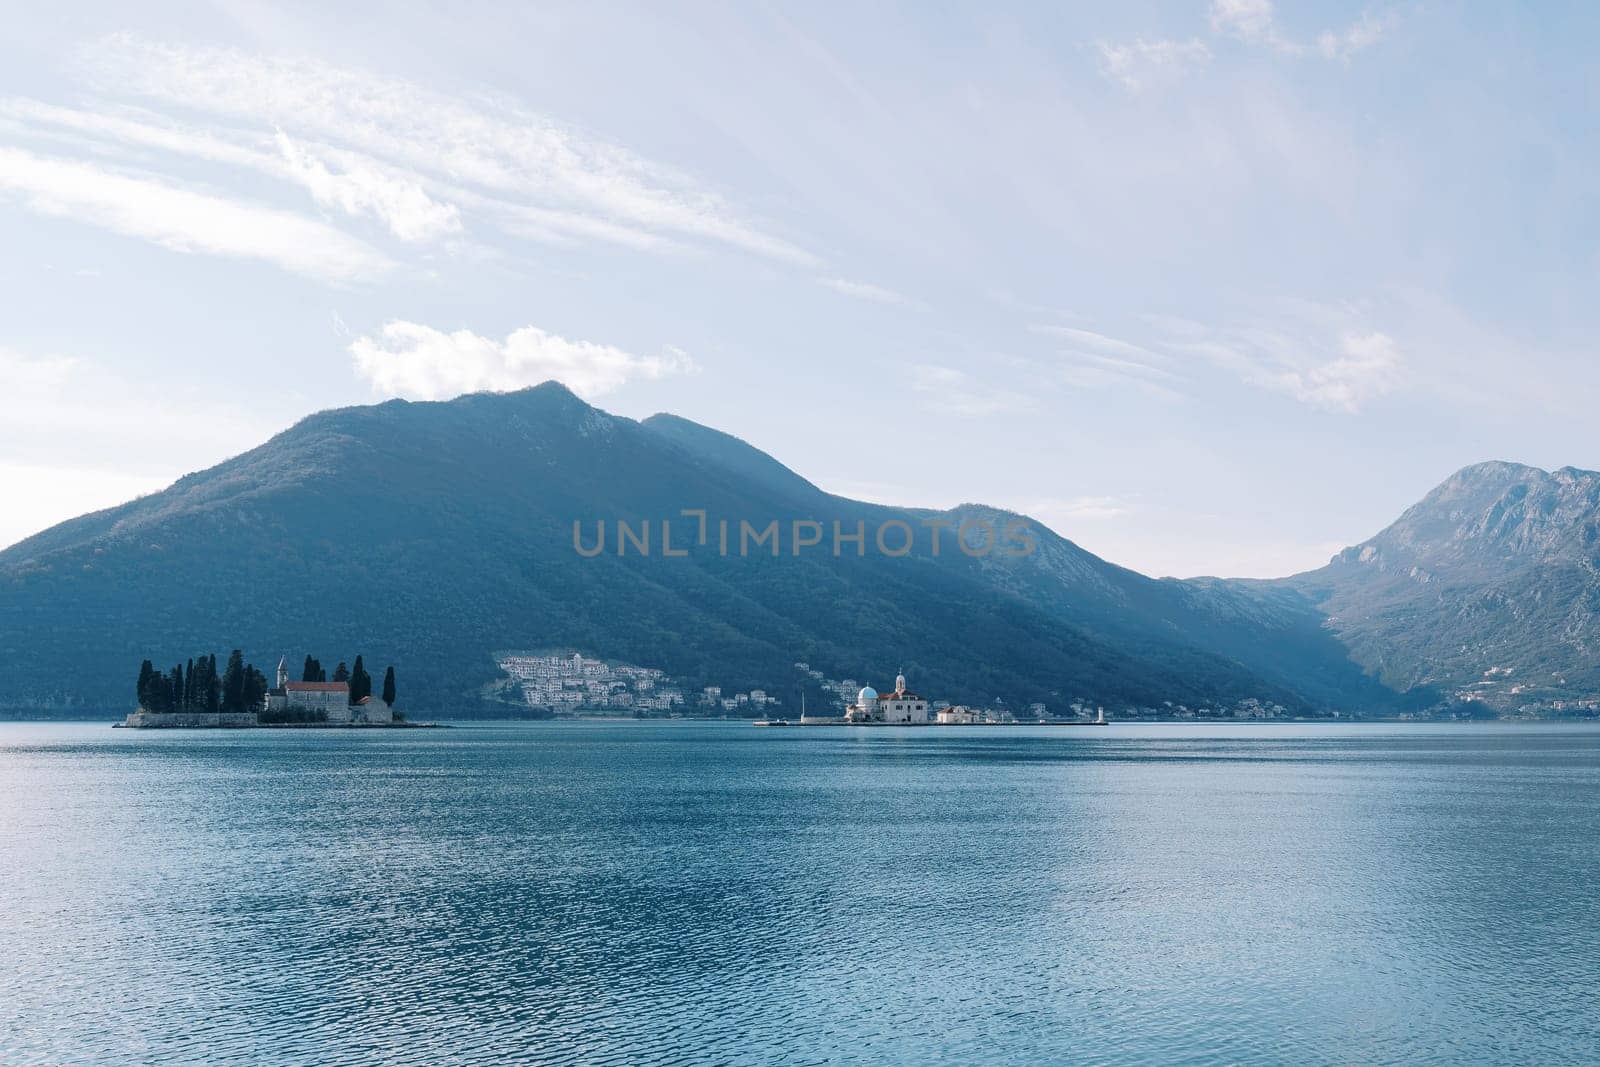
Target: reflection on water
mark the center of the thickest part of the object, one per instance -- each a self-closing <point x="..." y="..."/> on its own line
<point x="639" y="894"/>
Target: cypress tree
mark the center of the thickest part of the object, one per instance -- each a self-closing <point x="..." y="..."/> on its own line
<point x="360" y="682"/>
<point x="213" y="691"/>
<point x="233" y="682"/>
<point x="189" y="703"/>
<point x="309" y="674"/>
<point x="160" y="692"/>
<point x="388" y="686"/>
<point x="341" y="673"/>
<point x="147" y="671"/>
<point x="175" y="688"/>
<point x="255" y="688"/>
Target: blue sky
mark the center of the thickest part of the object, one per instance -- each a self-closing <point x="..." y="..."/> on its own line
<point x="1207" y="287"/>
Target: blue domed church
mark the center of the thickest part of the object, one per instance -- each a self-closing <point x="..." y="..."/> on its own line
<point x="902" y="707"/>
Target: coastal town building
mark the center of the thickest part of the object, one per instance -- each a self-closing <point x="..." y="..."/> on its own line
<point x="901" y="707"/>
<point x="570" y="683"/>
<point x="373" y="711"/>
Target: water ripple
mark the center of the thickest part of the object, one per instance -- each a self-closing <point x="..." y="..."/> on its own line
<point x="695" y="894"/>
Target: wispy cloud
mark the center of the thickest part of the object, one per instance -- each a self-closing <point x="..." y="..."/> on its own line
<point x="363" y="188"/>
<point x="493" y="148"/>
<point x="1367" y="31"/>
<point x="1141" y="64"/>
<point x="1098" y="360"/>
<point x="1343" y="374"/>
<point x="867" y="291"/>
<point x="1367" y="366"/>
<point x="421" y="363"/>
<point x="1323" y="356"/>
<point x="948" y="391"/>
<point x="1256" y="22"/>
<point x="185" y="220"/>
<point x="1251" y="21"/>
<point x="1098" y="342"/>
<point x="353" y="184"/>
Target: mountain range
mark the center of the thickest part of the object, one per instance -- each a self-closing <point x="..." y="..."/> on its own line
<point x="434" y="535"/>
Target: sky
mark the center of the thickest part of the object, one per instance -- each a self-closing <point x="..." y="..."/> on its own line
<point x="1209" y="287"/>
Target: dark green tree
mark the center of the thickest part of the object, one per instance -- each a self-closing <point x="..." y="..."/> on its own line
<point x="388" y="686"/>
<point x="233" y="682"/>
<point x="341" y="673"/>
<point x="255" y="688"/>
<point x="213" y="685"/>
<point x="158" y="692"/>
<point x="147" y="671"/>
<point x="360" y="682"/>
<point x="309" y="674"/>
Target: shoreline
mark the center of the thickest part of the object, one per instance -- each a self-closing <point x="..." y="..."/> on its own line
<point x="278" y="726"/>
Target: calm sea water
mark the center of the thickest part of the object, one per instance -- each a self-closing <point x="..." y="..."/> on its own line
<point x="710" y="893"/>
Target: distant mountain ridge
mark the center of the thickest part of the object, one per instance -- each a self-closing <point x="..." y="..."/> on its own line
<point x="432" y="534"/>
<point x="1488" y="587"/>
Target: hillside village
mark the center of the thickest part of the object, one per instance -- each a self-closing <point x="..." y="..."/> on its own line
<point x="569" y="684"/>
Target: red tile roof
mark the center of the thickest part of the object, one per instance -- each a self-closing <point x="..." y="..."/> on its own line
<point x="318" y="687"/>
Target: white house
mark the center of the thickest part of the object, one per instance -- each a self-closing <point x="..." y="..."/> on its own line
<point x="371" y="709"/>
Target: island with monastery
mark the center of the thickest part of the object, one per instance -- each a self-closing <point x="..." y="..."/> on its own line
<point x="197" y="695"/>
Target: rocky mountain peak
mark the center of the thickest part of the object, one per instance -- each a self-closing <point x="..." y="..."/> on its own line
<point x="1492" y="517"/>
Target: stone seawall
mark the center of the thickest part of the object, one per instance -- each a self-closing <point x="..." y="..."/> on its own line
<point x="157" y="720"/>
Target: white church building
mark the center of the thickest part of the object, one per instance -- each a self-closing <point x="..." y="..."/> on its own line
<point x="902" y="707"/>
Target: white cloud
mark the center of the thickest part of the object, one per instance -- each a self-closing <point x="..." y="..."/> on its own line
<point x="1255" y="22"/>
<point x="1344" y="374"/>
<point x="953" y="392"/>
<point x="1098" y="360"/>
<point x="1099" y="342"/>
<point x="1252" y="21"/>
<point x="1367" y="31"/>
<point x="362" y="187"/>
<point x="366" y="189"/>
<point x="1142" y="64"/>
<point x="867" y="291"/>
<point x="185" y="220"/>
<point x="422" y="363"/>
<point x="1368" y="366"/>
<point x="528" y="159"/>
